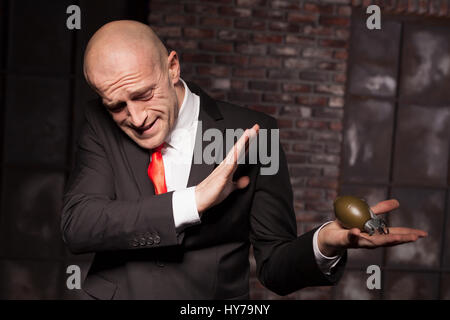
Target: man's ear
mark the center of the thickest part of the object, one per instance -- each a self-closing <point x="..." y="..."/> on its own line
<point x="174" y="67"/>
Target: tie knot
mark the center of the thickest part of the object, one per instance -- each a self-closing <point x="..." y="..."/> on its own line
<point x="159" y="148"/>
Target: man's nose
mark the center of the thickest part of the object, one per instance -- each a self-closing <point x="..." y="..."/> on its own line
<point x="137" y="115"/>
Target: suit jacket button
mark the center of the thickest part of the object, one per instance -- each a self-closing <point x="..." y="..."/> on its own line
<point x="157" y="239"/>
<point x="134" y="243"/>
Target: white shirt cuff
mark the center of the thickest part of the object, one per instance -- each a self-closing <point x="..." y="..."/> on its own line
<point x="325" y="263"/>
<point x="184" y="206"/>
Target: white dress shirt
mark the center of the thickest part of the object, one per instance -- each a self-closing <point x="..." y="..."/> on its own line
<point x="177" y="157"/>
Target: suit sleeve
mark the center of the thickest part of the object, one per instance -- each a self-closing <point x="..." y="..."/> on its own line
<point x="285" y="262"/>
<point x="93" y="220"/>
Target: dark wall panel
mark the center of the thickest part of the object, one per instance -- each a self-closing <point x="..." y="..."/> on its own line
<point x="367" y="140"/>
<point x="422" y="145"/>
<point x="37" y="111"/>
<point x="44" y="21"/>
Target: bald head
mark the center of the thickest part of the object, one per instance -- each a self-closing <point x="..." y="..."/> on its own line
<point x="120" y="44"/>
<point x="138" y="81"/>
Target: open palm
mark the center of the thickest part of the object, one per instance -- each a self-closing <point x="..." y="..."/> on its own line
<point x="334" y="236"/>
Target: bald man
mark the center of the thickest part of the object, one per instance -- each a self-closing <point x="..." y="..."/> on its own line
<point x="165" y="227"/>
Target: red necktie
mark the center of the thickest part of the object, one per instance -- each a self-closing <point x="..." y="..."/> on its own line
<point x="156" y="171"/>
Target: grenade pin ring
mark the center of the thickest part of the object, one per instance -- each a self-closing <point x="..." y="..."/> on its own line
<point x="375" y="224"/>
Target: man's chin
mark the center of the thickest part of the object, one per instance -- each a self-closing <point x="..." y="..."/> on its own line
<point x="149" y="143"/>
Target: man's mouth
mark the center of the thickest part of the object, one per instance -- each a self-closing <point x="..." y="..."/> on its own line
<point x="147" y="128"/>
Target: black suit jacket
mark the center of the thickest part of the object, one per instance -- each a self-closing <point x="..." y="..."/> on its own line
<point x="110" y="209"/>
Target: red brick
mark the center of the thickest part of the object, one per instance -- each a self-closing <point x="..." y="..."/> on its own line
<point x="238" y="84"/>
<point x="263" y="85"/>
<point x="341" y="55"/>
<point x="310" y="30"/>
<point x="220" y="84"/>
<point x="333" y="43"/>
<point x="234" y="35"/>
<point x="167" y="31"/>
<point x="198" y="33"/>
<point x="344" y="11"/>
<point x="323" y="183"/>
<point x="340" y="77"/>
<point x="337" y="90"/>
<point x="198" y="58"/>
<point x="180" y="19"/>
<point x="250" y="3"/>
<point x="296" y="111"/>
<point x="235" y="60"/>
<point x="165" y="6"/>
<point x="264" y="38"/>
<point x="216" y="22"/>
<point x="317" y="53"/>
<point x="334" y="21"/>
<point x="336" y="126"/>
<point x="284" y="123"/>
<point x="249" y="73"/>
<point x="298" y="63"/>
<point x="267" y="62"/>
<point x="336" y="102"/>
<point x="311" y="124"/>
<point x="235" y="12"/>
<point x="314" y="76"/>
<point x="300" y="40"/>
<point x="200" y="8"/>
<point x="250" y="24"/>
<point x="283" y="74"/>
<point x="296" y="158"/>
<point x="245" y="48"/>
<point x="302" y="17"/>
<point x="315" y="8"/>
<point x="293" y="134"/>
<point x="282" y="4"/>
<point x="177" y="44"/>
<point x="308" y="147"/>
<point x="312" y="101"/>
<point x="284" y="51"/>
<point x="216" y="71"/>
<point x="278" y="98"/>
<point x="324" y="159"/>
<point x="293" y="87"/>
<point x="269" y="14"/>
<point x="284" y="26"/>
<point x="216" y="46"/>
<point x="331" y="66"/>
<point x="343" y="33"/>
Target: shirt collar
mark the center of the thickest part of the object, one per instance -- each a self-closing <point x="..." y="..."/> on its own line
<point x="185" y="120"/>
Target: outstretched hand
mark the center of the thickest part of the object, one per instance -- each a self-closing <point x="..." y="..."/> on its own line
<point x="219" y="184"/>
<point x="334" y="238"/>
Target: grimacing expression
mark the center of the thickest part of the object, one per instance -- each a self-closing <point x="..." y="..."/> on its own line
<point x="142" y="100"/>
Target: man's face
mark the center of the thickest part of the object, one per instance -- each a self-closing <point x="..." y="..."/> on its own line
<point x="141" y="98"/>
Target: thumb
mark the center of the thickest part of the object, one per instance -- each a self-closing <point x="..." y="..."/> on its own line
<point x="242" y="182"/>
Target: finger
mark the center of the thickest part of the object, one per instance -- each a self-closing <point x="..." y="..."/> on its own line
<point x="397" y="230"/>
<point x="385" y="206"/>
<point x="241" y="146"/>
<point x="242" y="182"/>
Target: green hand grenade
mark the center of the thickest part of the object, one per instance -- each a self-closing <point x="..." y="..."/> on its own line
<point x="352" y="212"/>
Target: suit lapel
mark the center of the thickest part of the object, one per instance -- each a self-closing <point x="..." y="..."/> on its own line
<point x="138" y="159"/>
<point x="209" y="117"/>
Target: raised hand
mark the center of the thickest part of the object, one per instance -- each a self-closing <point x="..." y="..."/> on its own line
<point x="219" y="184"/>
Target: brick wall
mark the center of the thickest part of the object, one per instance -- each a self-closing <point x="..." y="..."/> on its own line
<point x="285" y="58"/>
